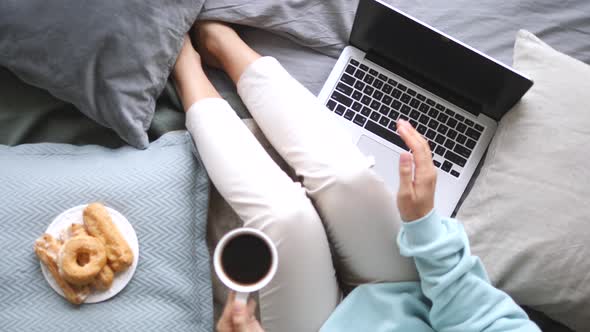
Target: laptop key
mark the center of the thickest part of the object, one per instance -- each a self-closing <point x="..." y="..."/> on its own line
<point x="449" y="144"/>
<point x="345" y="89"/>
<point x="354" y="62"/>
<point x="412" y="92"/>
<point x="446" y="166"/>
<point x="368" y="90"/>
<point x="432" y="145"/>
<point x="373" y="72"/>
<point x="396" y="93"/>
<point x="433" y="112"/>
<point x="433" y="124"/>
<point x="440" y="151"/>
<point x="459" y="117"/>
<point x="469" y="122"/>
<point x="378" y="84"/>
<point x="375" y="105"/>
<point x="366" y="111"/>
<point x="368" y="79"/>
<point x="424" y="119"/>
<point x="384" y="110"/>
<point x="387" y="88"/>
<point x="383" y="77"/>
<point x="461" y="138"/>
<point x="359" y="120"/>
<point x="366" y="100"/>
<point x="455" y="173"/>
<point x="442" y="117"/>
<point x="393" y="115"/>
<point x="449" y="112"/>
<point x="386" y="134"/>
<point x="451" y="122"/>
<point x="392" y="126"/>
<point x="430" y="102"/>
<point x="342" y="99"/>
<point x="431" y="134"/>
<point x="387" y="100"/>
<point x="402" y="87"/>
<point x="461" y="127"/>
<point x="479" y="127"/>
<point x="422" y="129"/>
<point x="348" y="79"/>
<point x="375" y="116"/>
<point x="424" y="108"/>
<point x="421" y="97"/>
<point x="440" y="107"/>
<point x="455" y="158"/>
<point x="359" y="74"/>
<point x="359" y="85"/>
<point x="436" y="163"/>
<point x="414" y="123"/>
<point x="378" y="95"/>
<point x="384" y="121"/>
<point x="396" y="104"/>
<point x="462" y="151"/>
<point x="331" y="105"/>
<point x="475" y="135"/>
<point x="349" y="115"/>
<point x="357" y="106"/>
<point x="392" y="82"/>
<point x="415" y="103"/>
<point x="406" y="98"/>
<point x="350" y="69"/>
<point x="357" y="95"/>
<point x="470" y="143"/>
<point x="340" y="110"/>
<point x="442" y="129"/>
<point x="406" y="109"/>
<point x="364" y="67"/>
<point x="440" y="139"/>
<point x="414" y="114"/>
<point x="451" y="134"/>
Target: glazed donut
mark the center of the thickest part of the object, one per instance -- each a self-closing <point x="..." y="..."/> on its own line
<point x="74" y="252"/>
<point x="100" y="225"/>
<point x="47" y="249"/>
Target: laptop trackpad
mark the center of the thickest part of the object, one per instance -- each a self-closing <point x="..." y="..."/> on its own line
<point x="386" y="160"/>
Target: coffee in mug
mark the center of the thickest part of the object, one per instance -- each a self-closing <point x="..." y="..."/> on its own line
<point x="245" y="260"/>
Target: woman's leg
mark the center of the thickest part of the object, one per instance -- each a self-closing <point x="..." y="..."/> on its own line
<point x="304" y="291"/>
<point x="359" y="212"/>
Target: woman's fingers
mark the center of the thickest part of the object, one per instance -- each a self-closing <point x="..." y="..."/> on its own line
<point x="418" y="145"/>
<point x="225" y="322"/>
<point x="406" y="177"/>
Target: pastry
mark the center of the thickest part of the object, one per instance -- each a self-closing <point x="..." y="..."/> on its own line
<point x="74" y="253"/>
<point x="99" y="224"/>
<point x="47" y="248"/>
<point x="104" y="279"/>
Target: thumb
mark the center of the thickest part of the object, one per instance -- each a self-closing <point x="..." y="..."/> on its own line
<point x="405" y="174"/>
<point x="241" y="317"/>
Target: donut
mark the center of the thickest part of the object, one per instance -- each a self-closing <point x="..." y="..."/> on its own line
<point x="47" y="249"/>
<point x="99" y="224"/>
<point x="74" y="253"/>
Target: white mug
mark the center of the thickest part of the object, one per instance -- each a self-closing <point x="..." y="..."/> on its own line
<point x="242" y="291"/>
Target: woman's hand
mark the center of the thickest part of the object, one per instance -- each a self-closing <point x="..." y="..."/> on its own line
<point x="238" y="317"/>
<point x="415" y="198"/>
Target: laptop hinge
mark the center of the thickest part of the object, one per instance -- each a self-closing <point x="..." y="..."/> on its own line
<point x="418" y="79"/>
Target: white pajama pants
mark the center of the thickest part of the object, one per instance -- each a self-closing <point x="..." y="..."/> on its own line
<point x="334" y="230"/>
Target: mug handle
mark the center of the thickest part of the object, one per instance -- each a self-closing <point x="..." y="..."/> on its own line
<point x="242" y="297"/>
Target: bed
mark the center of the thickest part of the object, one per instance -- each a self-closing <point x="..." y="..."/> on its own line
<point x="306" y="37"/>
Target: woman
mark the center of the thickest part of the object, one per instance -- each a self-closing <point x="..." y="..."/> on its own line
<point x="340" y="210"/>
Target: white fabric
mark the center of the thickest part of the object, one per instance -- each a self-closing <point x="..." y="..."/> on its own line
<point x="356" y="208"/>
<point x="528" y="216"/>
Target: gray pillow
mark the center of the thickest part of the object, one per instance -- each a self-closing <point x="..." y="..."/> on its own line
<point x="111" y="59"/>
<point x="528" y="215"/>
<point x="163" y="192"/>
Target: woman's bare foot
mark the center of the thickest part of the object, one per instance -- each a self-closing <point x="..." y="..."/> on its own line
<point x="221" y="47"/>
<point x="191" y="82"/>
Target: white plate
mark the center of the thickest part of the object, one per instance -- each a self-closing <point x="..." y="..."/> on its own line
<point x="74" y="216"/>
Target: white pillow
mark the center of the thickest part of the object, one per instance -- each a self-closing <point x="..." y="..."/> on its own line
<point x="528" y="214"/>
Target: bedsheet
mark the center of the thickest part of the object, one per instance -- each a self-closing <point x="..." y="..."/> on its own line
<point x="306" y="36"/>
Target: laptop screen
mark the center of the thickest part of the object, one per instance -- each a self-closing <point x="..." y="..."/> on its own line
<point x="435" y="61"/>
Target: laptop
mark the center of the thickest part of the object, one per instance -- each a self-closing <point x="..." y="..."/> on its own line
<point x="397" y="67"/>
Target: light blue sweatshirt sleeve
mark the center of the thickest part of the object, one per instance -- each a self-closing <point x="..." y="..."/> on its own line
<point x="455" y="282"/>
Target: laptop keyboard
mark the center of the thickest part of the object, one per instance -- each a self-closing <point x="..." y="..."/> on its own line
<point x="374" y="101"/>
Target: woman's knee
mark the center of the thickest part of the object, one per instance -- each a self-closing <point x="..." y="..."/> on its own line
<point x="295" y="218"/>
